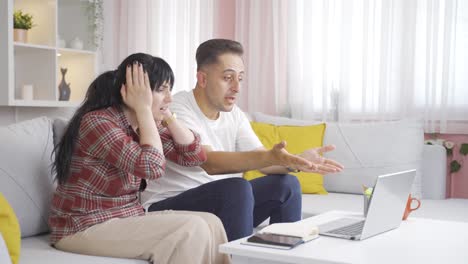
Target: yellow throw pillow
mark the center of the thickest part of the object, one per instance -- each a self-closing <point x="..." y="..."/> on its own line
<point x="10" y="229"/>
<point x="298" y="139"/>
<point x="267" y="133"/>
<point x="269" y="136"/>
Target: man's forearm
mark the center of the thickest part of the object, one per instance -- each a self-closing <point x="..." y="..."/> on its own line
<point x="275" y="170"/>
<point x="219" y="162"/>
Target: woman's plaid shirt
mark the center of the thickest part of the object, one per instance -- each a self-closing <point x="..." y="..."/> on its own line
<point x="106" y="171"/>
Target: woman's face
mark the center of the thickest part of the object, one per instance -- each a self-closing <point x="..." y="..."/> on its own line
<point x="161" y="99"/>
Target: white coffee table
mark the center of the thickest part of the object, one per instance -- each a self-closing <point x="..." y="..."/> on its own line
<point x="417" y="240"/>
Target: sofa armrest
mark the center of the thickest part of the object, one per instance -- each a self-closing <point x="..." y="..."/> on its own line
<point x="4" y="256"/>
<point x="434" y="172"/>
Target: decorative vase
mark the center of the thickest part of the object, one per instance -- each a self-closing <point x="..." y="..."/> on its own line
<point x="20" y="35"/>
<point x="27" y="92"/>
<point x="61" y="43"/>
<point x="64" y="88"/>
<point x="76" y="43"/>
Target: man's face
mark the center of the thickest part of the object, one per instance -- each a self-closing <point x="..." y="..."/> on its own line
<point x="223" y="80"/>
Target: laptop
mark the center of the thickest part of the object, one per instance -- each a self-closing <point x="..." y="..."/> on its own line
<point x="386" y="208"/>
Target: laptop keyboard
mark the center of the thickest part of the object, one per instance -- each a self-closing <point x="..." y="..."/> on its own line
<point x="341" y="227"/>
<point x="351" y="230"/>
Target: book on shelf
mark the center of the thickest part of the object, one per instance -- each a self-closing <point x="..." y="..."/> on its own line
<point x="284" y="235"/>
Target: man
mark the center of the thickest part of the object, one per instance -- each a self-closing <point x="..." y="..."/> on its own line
<point x="232" y="148"/>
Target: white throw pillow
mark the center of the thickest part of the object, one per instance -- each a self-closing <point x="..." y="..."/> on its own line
<point x="25" y="172"/>
<point x="371" y="149"/>
<point x="367" y="150"/>
<point x="281" y="121"/>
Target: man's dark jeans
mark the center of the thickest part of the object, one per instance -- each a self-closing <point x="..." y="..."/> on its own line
<point x="240" y="204"/>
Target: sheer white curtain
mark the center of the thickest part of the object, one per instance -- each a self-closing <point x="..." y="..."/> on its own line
<point x="361" y="59"/>
<point x="168" y="29"/>
<point x="379" y="60"/>
<point x="441" y="64"/>
<point x="261" y="27"/>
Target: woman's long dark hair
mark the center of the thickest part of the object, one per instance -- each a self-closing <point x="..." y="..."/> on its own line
<point x="104" y="92"/>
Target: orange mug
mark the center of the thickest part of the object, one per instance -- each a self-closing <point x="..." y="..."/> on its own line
<point x="408" y="208"/>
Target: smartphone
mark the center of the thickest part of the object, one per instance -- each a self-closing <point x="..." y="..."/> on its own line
<point x="275" y="240"/>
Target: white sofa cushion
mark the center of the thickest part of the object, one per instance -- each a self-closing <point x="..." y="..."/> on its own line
<point x="313" y="204"/>
<point x="25" y="175"/>
<point x="36" y="250"/>
<point x="446" y="209"/>
<point x="371" y="149"/>
<point x="366" y="150"/>
<point x="4" y="256"/>
<point x="59" y="126"/>
<point x="281" y="121"/>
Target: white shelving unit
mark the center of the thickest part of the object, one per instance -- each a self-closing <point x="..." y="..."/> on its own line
<point x="38" y="61"/>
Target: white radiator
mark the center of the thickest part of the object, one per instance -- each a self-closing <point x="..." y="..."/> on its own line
<point x="434" y="169"/>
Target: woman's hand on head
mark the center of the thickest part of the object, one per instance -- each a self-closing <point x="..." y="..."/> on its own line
<point x="136" y="93"/>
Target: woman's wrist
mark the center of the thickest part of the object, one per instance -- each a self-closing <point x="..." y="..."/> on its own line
<point x="169" y="119"/>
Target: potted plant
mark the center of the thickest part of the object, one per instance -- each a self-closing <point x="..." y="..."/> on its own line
<point x="22" y="22"/>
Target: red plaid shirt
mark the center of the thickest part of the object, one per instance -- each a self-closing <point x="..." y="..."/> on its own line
<point x="106" y="171"/>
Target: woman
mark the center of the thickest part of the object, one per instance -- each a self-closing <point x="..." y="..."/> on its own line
<point x="121" y="135"/>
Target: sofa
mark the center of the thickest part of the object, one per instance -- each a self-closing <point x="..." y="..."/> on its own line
<point x="27" y="183"/>
<point x="373" y="148"/>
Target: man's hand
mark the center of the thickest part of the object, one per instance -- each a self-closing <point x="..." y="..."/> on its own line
<point x="280" y="156"/>
<point x="322" y="164"/>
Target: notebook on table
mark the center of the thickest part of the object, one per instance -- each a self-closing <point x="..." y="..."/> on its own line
<point x="283" y="235"/>
<point x="385" y="211"/>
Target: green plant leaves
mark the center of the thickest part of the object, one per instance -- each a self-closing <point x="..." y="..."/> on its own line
<point x="22" y="20"/>
<point x="449" y="152"/>
<point x="464" y="149"/>
<point x="454" y="166"/>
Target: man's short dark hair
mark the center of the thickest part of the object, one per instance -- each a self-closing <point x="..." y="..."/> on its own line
<point x="209" y="51"/>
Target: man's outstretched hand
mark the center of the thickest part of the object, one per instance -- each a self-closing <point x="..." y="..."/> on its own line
<point x="310" y="160"/>
<point x="280" y="156"/>
<point x="321" y="164"/>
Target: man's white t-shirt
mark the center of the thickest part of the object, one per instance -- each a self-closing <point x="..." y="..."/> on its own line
<point x="230" y="132"/>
